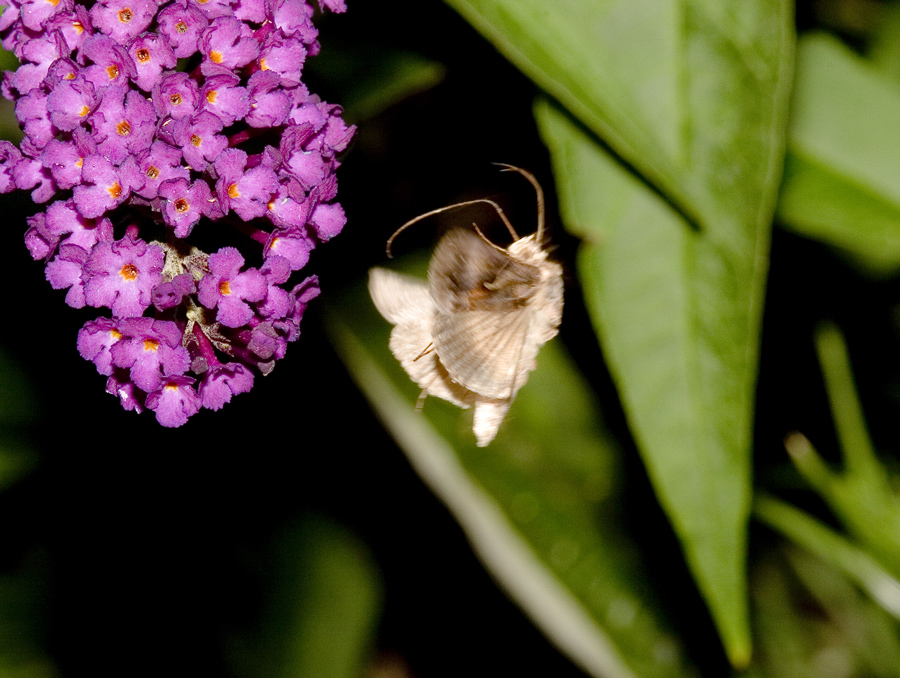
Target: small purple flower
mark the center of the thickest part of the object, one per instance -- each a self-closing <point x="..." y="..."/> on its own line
<point x="284" y="56"/>
<point x="293" y="246"/>
<point x="184" y="204"/>
<point x="151" y="350"/>
<point x="152" y="167"/>
<point x="65" y="158"/>
<point x="245" y="191"/>
<point x="63" y="219"/>
<point x="222" y="382"/>
<point x="230" y="289"/>
<point x="36" y="13"/>
<point x="121" y="139"/>
<point x="151" y="54"/>
<point x="65" y="272"/>
<point x="182" y="24"/>
<point x="269" y="104"/>
<point x="328" y="220"/>
<point x="223" y="96"/>
<point x="122" y="20"/>
<point x="10" y="156"/>
<point x="176" y="95"/>
<point x="104" y="187"/>
<point x="124" y="124"/>
<point x="111" y="63"/>
<point x="123" y="274"/>
<point x="171" y="293"/>
<point x="199" y="139"/>
<point x="70" y="103"/>
<point x="96" y="339"/>
<point x="227" y="44"/>
<point x="130" y="396"/>
<point x="175" y="402"/>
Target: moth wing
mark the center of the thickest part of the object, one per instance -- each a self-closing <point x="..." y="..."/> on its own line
<point x="406" y="302"/>
<point x="467" y="273"/>
<point x="486" y="351"/>
<point x="489" y="414"/>
<point x="400" y="298"/>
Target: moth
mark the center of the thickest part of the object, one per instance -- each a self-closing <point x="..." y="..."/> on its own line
<point x="471" y="334"/>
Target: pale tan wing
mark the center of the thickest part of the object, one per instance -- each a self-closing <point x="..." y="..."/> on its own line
<point x="489" y="414"/>
<point x="406" y="302"/>
<point x="400" y="298"/>
<point x="484" y="350"/>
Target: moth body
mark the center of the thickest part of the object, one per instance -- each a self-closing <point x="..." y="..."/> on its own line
<point x="472" y="333"/>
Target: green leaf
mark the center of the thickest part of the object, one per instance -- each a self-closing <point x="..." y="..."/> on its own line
<point x="678" y="322"/>
<point x="323" y="608"/>
<point x="693" y="95"/>
<point x="539" y="505"/>
<point x="840" y="183"/>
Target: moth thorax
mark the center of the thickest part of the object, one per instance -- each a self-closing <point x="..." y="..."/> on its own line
<point x="527" y="249"/>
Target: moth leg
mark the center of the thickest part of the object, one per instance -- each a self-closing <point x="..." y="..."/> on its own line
<point x="428" y="349"/>
<point x="420" y="401"/>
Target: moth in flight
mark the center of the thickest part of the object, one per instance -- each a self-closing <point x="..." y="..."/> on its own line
<point x="471" y="334"/>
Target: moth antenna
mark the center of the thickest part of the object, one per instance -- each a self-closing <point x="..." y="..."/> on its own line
<point x="537" y="188"/>
<point x="409" y="223"/>
<point x="484" y="237"/>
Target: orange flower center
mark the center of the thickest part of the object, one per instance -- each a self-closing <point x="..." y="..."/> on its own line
<point x="181" y="205"/>
<point x="123" y="128"/>
<point x="151" y="345"/>
<point x="125" y="15"/>
<point x="143" y="55"/>
<point x="115" y="190"/>
<point x="129" y="272"/>
<point x="225" y="288"/>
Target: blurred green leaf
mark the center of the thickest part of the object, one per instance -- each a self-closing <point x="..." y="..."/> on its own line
<point x="539" y="505"/>
<point x="693" y="95"/>
<point x="18" y="409"/>
<point x="323" y="608"/>
<point x="17" y="402"/>
<point x="858" y="565"/>
<point x="23" y="621"/>
<point x="842" y="179"/>
<point x="811" y="621"/>
<point x="370" y="75"/>
<point x="884" y="43"/>
<point x="861" y="495"/>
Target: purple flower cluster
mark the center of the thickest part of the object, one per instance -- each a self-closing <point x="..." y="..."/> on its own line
<point x="148" y="120"/>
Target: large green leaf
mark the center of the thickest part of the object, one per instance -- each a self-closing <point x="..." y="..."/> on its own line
<point x="540" y="505"/>
<point x="678" y="320"/>
<point x="842" y="180"/>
